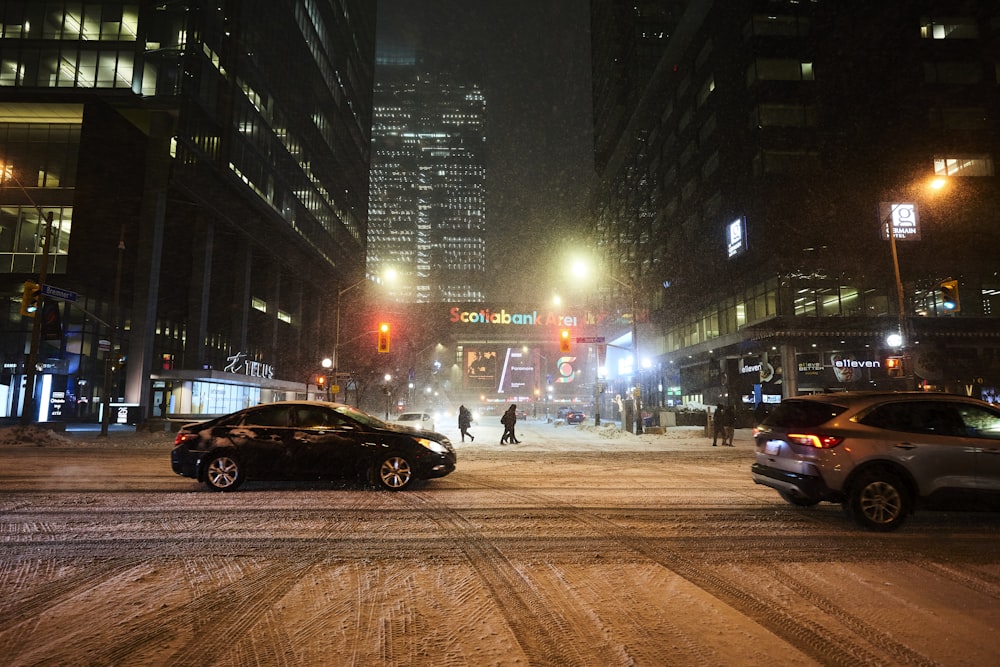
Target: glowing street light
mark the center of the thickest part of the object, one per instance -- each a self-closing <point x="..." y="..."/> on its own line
<point x="579" y="270"/>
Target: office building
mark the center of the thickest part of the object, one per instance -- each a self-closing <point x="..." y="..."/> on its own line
<point x="205" y="166"/>
<point x="427" y="215"/>
<point x="762" y="175"/>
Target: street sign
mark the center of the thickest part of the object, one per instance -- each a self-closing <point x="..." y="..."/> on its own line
<point x="58" y="293"/>
<point x="590" y="339"/>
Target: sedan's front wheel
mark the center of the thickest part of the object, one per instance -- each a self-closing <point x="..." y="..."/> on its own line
<point x="393" y="472"/>
<point x="223" y="473"/>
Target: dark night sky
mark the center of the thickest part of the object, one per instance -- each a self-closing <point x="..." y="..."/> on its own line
<point x="531" y="58"/>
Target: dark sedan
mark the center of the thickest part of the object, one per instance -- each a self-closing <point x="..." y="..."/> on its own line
<point x="575" y="417"/>
<point x="308" y="440"/>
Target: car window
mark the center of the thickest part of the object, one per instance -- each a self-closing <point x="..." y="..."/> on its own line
<point x="310" y="416"/>
<point x="979" y="421"/>
<point x="932" y="417"/>
<point x="802" y="414"/>
<point x="270" y="415"/>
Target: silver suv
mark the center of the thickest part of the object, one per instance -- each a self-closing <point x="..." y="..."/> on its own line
<point x="880" y="454"/>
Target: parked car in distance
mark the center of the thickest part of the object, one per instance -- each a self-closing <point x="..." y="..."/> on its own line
<point x="417" y="420"/>
<point x="575" y="417"/>
<point x="308" y="440"/>
<point x="881" y="454"/>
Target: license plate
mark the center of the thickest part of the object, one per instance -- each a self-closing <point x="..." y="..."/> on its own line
<point x="772" y="447"/>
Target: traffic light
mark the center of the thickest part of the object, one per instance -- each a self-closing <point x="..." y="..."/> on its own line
<point x="949" y="295"/>
<point x="564" y="344"/>
<point x="31" y="298"/>
<point x="894" y="367"/>
<point x="321" y="381"/>
<point x="383" y="337"/>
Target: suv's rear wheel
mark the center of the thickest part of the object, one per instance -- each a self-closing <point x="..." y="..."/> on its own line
<point x="878" y="500"/>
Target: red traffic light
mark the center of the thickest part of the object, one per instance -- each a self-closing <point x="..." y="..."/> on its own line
<point x="564" y="341"/>
<point x="383" y="337"/>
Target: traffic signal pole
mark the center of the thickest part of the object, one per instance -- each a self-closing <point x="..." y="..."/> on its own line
<point x="29" y="409"/>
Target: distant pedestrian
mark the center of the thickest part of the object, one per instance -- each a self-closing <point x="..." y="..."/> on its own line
<point x="508" y="420"/>
<point x="718" y="427"/>
<point x="729" y="424"/>
<point x="464" y="422"/>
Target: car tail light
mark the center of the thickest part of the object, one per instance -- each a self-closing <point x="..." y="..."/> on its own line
<point x="816" y="440"/>
<point x="184" y="437"/>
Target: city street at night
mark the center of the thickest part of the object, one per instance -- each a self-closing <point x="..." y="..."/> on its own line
<point x="577" y="546"/>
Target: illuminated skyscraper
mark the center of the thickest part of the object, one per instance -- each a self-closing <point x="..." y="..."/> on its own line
<point x="428" y="184"/>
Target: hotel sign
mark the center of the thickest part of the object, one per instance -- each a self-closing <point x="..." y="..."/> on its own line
<point x="736" y="237"/>
<point x="903" y="218"/>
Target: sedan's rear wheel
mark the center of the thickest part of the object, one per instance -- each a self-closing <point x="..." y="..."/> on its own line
<point x="223" y="473"/>
<point x="393" y="472"/>
<point x="879" y="500"/>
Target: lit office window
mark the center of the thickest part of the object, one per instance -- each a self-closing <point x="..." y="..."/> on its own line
<point x="961" y="28"/>
<point x="969" y="165"/>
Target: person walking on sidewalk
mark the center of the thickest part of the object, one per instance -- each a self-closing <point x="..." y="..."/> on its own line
<point x="464" y="422"/>
<point x="718" y="425"/>
<point x="729" y="425"/>
<point x="508" y="420"/>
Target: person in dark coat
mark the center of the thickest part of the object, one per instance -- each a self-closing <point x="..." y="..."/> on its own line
<point x="718" y="425"/>
<point x="508" y="420"/>
<point x="464" y="422"/>
<point x="729" y="425"/>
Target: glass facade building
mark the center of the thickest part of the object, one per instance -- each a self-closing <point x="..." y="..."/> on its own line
<point x="205" y="166"/>
<point x="748" y="191"/>
<point x="427" y="216"/>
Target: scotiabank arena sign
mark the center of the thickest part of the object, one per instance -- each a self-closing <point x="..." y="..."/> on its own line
<point x="503" y="317"/>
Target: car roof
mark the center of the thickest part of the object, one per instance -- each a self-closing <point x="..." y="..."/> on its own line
<point x="848" y="398"/>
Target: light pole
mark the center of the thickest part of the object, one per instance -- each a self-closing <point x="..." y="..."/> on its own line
<point x="111" y="355"/>
<point x="327" y="364"/>
<point x="389" y="275"/>
<point x="388" y="394"/>
<point x="889" y="224"/>
<point x="579" y="269"/>
<point x="890" y="227"/>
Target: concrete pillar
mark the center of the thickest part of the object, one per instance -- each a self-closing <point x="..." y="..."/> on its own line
<point x="147" y="246"/>
<point x="790" y="370"/>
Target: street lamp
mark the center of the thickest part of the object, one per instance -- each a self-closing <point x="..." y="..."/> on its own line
<point x="580" y="269"/>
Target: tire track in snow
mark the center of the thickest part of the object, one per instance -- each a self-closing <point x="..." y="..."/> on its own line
<point x="809" y="636"/>
<point x="536" y="624"/>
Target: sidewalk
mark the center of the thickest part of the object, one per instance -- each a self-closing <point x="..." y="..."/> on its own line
<point x="537" y="435"/>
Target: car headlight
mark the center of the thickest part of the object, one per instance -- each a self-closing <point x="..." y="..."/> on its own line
<point x="433" y="445"/>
